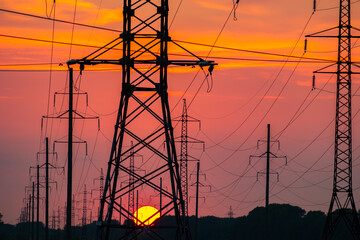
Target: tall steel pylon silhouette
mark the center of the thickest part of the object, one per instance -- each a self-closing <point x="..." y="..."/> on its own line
<point x="100" y="189"/>
<point x="144" y="118"/>
<point x="84" y="213"/>
<point x="342" y="205"/>
<point x="184" y="156"/>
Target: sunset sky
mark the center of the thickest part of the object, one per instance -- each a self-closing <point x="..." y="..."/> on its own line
<point x="249" y="90"/>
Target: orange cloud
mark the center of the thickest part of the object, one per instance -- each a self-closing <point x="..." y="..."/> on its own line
<point x="109" y="16"/>
<point x="254" y="10"/>
<point x="86" y="11"/>
<point x="173" y="93"/>
<point x="214" y="6"/>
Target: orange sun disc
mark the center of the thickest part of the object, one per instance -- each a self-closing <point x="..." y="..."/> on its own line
<point x="146" y="216"/>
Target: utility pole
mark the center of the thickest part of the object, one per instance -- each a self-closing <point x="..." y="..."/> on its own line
<point x="342" y="204"/>
<point x="22" y="214"/>
<point x="58" y="218"/>
<point x="71" y="115"/>
<point x="231" y="212"/>
<point x="73" y="215"/>
<point x="31" y="208"/>
<point x="69" y="163"/>
<point x="184" y="156"/>
<point x="26" y="225"/>
<point x="47" y="165"/>
<point x="53" y="220"/>
<point x="30" y="203"/>
<point x="160" y="195"/>
<point x="100" y="189"/>
<point x="84" y="214"/>
<point x="37" y="201"/>
<point x="131" y="206"/>
<point x="32" y="212"/>
<point x="64" y="209"/>
<point x="131" y="197"/>
<point x="144" y="100"/>
<point x="267" y="171"/>
<point x="268" y="154"/>
<point x="198" y="184"/>
<point x="47" y="191"/>
<point x="37" y="187"/>
<point x="197" y="203"/>
<point x="120" y="211"/>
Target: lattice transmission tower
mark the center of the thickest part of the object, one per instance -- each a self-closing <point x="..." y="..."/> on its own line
<point x="144" y="118"/>
<point x="84" y="218"/>
<point x="100" y="190"/>
<point x="342" y="205"/>
<point x="185" y="139"/>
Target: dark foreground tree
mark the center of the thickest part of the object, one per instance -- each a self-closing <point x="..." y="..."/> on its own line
<point x="285" y="222"/>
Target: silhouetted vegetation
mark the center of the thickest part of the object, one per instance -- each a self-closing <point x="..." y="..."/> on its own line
<point x="286" y="222"/>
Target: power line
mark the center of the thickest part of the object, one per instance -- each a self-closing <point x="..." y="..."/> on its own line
<point x="49" y="41"/>
<point x="72" y="30"/>
<point x="279" y="94"/>
<point x="58" y="20"/>
<point x="220" y="58"/>
<point x="27" y="64"/>
<point x="332" y="8"/>
<point x="308" y="169"/>
<point x="197" y="73"/>
<point x="118" y="31"/>
<point x="252" y="51"/>
<point x="176" y="12"/>
<point x="240" y="177"/>
<point x="261" y="120"/>
<point x="220" y="47"/>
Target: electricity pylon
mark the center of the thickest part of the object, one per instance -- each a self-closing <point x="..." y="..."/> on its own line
<point x="100" y="188"/>
<point x="38" y="185"/>
<point x="231" y="212"/>
<point x="47" y="167"/>
<point x="84" y="213"/>
<point x="198" y="184"/>
<point x="268" y="155"/>
<point x="342" y="205"/>
<point x="143" y="116"/>
<point x="184" y="156"/>
<point x="71" y="115"/>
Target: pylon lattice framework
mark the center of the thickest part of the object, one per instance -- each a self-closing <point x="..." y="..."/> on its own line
<point x="184" y="156"/>
<point x="143" y="117"/>
<point x="342" y="205"/>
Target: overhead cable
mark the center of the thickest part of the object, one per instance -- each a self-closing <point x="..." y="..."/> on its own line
<point x="58" y="20"/>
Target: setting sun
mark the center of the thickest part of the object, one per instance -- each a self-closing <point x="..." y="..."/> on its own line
<point x="146" y="215"/>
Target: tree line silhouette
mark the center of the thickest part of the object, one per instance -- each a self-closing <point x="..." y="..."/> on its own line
<point x="285" y="222"/>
